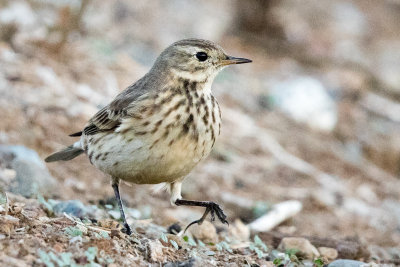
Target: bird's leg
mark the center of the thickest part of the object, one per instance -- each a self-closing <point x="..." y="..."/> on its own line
<point x="127" y="228"/>
<point x="212" y="207"/>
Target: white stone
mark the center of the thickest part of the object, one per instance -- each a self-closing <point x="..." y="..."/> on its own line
<point x="306" y="100"/>
<point x="279" y="213"/>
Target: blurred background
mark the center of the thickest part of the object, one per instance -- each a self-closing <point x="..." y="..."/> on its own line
<point x="315" y="118"/>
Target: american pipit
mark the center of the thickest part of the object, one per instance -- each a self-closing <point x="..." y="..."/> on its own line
<point x="159" y="128"/>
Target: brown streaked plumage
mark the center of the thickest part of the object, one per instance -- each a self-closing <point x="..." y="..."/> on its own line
<point x="159" y="128"/>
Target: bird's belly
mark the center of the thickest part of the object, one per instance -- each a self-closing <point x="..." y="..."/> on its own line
<point x="146" y="160"/>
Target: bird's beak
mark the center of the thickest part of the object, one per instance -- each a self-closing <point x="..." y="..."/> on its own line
<point x="234" y="60"/>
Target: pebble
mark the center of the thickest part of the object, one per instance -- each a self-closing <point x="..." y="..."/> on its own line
<point x="179" y="241"/>
<point x="155" y="251"/>
<point x="192" y="262"/>
<point x="304" y="247"/>
<point x="239" y="230"/>
<point x="306" y="100"/>
<point x="32" y="177"/>
<point x="71" y="207"/>
<point x="174" y="228"/>
<point x="264" y="263"/>
<point x="76" y="239"/>
<point x="114" y="214"/>
<point x="205" y="232"/>
<point x="7" y="224"/>
<point x="346" y="263"/>
<point x="328" y="253"/>
<point x="151" y="230"/>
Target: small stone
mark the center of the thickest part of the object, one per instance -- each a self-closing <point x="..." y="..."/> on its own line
<point x="179" y="241"/>
<point x="115" y="233"/>
<point x="328" y="253"/>
<point x="136" y="214"/>
<point x="305" y="248"/>
<point x="192" y="262"/>
<point x="77" y="239"/>
<point x="264" y="263"/>
<point x="16" y="208"/>
<point x="306" y="100"/>
<point x="205" y="232"/>
<point x="346" y="263"/>
<point x="7" y="224"/>
<point x="72" y="207"/>
<point x="32" y="176"/>
<point x="308" y="263"/>
<point x="115" y="214"/>
<point x="109" y="224"/>
<point x="239" y="230"/>
<point x="10" y="219"/>
<point x="58" y="247"/>
<point x="174" y="228"/>
<point x="151" y="230"/>
<point x="155" y="251"/>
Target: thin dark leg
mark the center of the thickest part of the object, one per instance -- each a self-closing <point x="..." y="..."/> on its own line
<point x="212" y="207"/>
<point x="127" y="228"/>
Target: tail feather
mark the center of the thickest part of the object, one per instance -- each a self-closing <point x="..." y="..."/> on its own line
<point x="66" y="154"/>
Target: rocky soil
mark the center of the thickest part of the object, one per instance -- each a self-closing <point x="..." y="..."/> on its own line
<point x="307" y="166"/>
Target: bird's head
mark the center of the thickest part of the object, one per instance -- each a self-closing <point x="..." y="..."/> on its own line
<point x="195" y="59"/>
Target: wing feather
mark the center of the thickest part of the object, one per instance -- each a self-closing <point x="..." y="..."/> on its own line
<point x="110" y="117"/>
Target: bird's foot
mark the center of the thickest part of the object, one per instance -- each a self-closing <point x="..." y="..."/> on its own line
<point x="211" y="207"/>
<point x="127" y="229"/>
<point x="216" y="209"/>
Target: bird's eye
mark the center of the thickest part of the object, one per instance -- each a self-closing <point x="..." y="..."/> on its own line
<point x="201" y="56"/>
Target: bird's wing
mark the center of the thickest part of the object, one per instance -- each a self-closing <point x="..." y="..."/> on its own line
<point x="104" y="120"/>
<point x="110" y="117"/>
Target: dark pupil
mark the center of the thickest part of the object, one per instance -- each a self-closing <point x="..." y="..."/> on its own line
<point x="201" y="56"/>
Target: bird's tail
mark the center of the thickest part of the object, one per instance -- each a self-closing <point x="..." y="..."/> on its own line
<point x="67" y="154"/>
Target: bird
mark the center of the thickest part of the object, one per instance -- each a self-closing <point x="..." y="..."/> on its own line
<point x="160" y="127"/>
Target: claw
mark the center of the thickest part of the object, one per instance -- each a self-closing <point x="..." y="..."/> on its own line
<point x="212" y="215"/>
<point x="127" y="229"/>
<point x="212" y="208"/>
